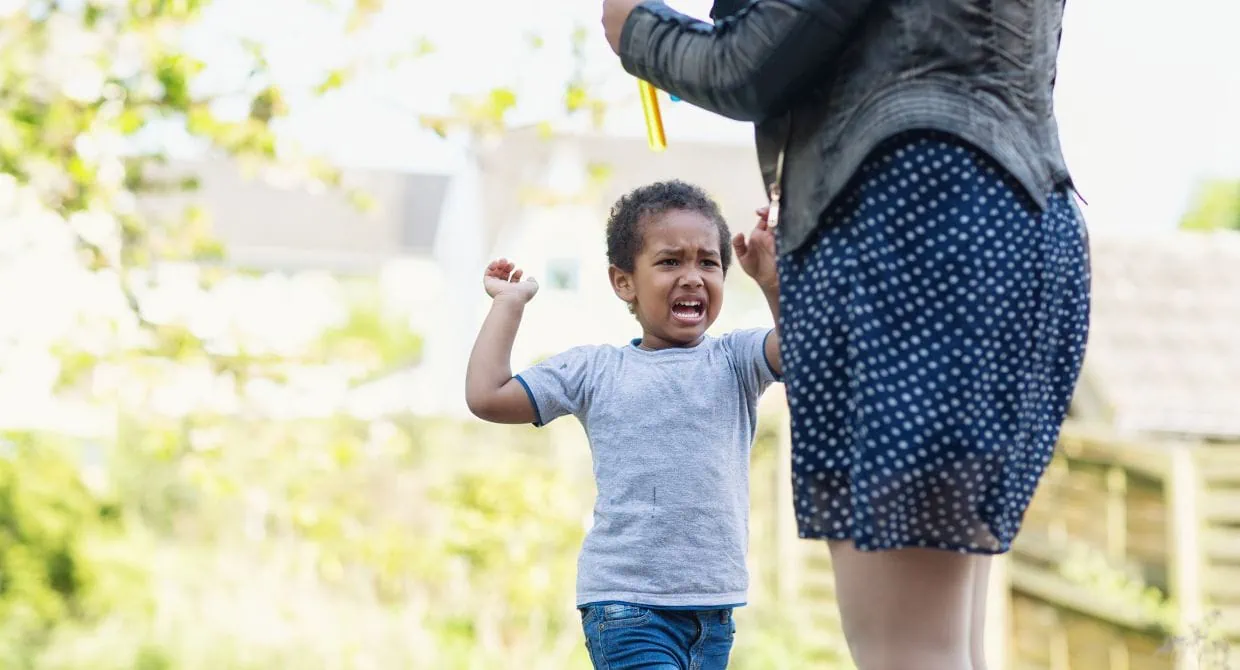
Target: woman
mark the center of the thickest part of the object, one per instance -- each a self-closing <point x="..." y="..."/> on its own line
<point x="934" y="279"/>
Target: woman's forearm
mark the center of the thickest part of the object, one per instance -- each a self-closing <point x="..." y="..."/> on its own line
<point x="747" y="67"/>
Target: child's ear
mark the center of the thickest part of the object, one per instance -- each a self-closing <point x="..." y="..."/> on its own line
<point x="622" y="284"/>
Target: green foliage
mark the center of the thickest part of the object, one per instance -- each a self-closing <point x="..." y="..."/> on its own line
<point x="42" y="576"/>
<point x="59" y="558"/>
<point x="486" y="115"/>
<point x="774" y="634"/>
<point x="413" y="543"/>
<point x="775" y="638"/>
<point x="237" y="539"/>
<point x="85" y="88"/>
<point x="90" y="92"/>
<point x="118" y="71"/>
<point x="1204" y="642"/>
<point x="512" y="531"/>
<point x="1091" y="569"/>
<point x="421" y="531"/>
<point x="372" y="334"/>
<point x="1216" y="207"/>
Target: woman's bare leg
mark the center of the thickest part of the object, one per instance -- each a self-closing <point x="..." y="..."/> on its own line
<point x="905" y="609"/>
<point x="977" y="613"/>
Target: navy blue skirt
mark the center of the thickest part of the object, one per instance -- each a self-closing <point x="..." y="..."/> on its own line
<point x="932" y="337"/>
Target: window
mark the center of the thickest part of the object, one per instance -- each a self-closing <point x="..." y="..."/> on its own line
<point x="562" y="274"/>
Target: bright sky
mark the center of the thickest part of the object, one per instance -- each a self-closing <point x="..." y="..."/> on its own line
<point x="1148" y="97"/>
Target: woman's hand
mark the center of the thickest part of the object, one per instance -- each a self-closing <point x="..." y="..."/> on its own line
<point x="757" y="254"/>
<point x="615" y="13"/>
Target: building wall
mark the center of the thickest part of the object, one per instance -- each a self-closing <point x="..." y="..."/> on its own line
<point x="271" y="220"/>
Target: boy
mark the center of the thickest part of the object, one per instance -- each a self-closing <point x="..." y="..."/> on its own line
<point x="670" y="420"/>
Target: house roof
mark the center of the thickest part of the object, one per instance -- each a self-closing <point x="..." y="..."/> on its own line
<point x="271" y="219"/>
<point x="1164" y="347"/>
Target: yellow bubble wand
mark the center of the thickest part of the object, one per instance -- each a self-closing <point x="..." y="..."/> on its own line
<point x="654" y="119"/>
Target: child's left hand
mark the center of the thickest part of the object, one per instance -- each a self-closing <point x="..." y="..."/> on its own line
<point x="757" y="254"/>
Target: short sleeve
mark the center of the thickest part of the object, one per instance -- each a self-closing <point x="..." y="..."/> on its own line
<point x="748" y="350"/>
<point x="559" y="385"/>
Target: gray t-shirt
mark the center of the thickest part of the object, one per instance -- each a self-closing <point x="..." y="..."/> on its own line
<point x="670" y="432"/>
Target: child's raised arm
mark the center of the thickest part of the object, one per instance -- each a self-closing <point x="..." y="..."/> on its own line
<point x="490" y="389"/>
<point x="757" y="257"/>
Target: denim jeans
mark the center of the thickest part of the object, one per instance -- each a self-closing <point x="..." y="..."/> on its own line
<point x="627" y="637"/>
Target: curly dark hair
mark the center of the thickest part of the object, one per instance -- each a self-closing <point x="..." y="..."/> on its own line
<point x="631" y="211"/>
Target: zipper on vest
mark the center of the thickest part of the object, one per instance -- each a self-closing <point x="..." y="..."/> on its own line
<point x="776" y="188"/>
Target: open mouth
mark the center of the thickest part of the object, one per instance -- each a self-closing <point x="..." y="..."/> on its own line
<point x="689" y="312"/>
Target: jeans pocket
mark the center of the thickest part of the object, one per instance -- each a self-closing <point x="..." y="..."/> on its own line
<point x="619" y="615"/>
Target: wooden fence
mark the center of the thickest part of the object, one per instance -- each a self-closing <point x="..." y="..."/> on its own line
<point x="1129" y="559"/>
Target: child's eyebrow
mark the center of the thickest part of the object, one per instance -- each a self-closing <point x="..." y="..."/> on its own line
<point x="676" y="251"/>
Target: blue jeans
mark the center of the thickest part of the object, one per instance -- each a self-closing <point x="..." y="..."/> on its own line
<point x="627" y="637"/>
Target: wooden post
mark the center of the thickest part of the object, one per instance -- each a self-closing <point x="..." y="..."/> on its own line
<point x="1184" y="560"/>
<point x="1119" y="656"/>
<point x="1061" y="653"/>
<point x="1057" y="528"/>
<point x="1117" y="513"/>
<point x="787" y="545"/>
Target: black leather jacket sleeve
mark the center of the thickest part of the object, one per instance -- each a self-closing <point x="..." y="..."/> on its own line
<point x="748" y="66"/>
<point x="721" y="9"/>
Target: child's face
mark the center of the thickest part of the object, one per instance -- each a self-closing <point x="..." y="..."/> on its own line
<point x="676" y="286"/>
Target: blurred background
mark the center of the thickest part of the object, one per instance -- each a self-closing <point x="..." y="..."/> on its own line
<point x="241" y="244"/>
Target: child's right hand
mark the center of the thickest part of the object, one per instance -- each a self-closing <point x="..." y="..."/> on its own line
<point x="757" y="255"/>
<point x="503" y="278"/>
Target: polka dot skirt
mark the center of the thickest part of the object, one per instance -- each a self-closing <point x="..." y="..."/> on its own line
<point x="932" y="337"/>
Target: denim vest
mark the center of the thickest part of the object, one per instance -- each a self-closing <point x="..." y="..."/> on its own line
<point x="825" y="81"/>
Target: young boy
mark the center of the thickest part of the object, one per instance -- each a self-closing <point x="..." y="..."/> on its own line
<point x="670" y="419"/>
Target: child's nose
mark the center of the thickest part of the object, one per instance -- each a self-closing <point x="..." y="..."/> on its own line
<point x="692" y="278"/>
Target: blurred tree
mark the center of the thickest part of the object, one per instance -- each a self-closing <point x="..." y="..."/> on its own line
<point x="92" y="95"/>
<point x="370" y="334"/>
<point x="485" y="116"/>
<point x="56" y="566"/>
<point x="92" y="92"/>
<point x="85" y="85"/>
<point x="1216" y="207"/>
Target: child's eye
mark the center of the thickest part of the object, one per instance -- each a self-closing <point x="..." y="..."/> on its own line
<point x="709" y="262"/>
<point x="668" y="261"/>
